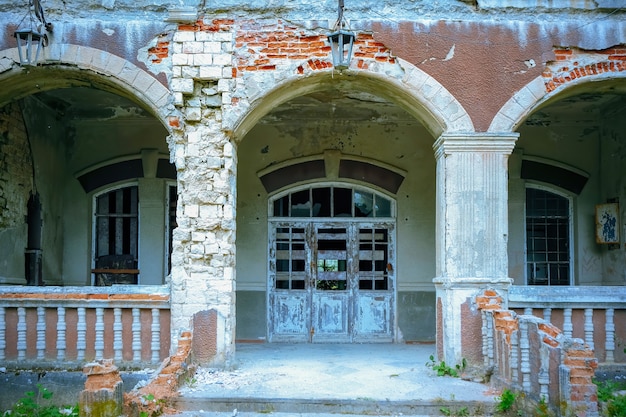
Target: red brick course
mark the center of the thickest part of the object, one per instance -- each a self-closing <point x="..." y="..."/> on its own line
<point x="568" y="68"/>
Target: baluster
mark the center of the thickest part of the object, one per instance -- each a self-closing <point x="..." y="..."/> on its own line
<point x="61" y="327"/>
<point x="567" y="322"/>
<point x="118" y="345"/>
<point x="528" y="311"/>
<point x="41" y="333"/>
<point x="136" y="328"/>
<point x="610" y="335"/>
<point x="3" y="331"/>
<point x="156" y="336"/>
<point x="547" y="315"/>
<point x="589" y="327"/>
<point x="544" y="375"/>
<point x="81" y="333"/>
<point x="525" y="355"/>
<point x="515" y="357"/>
<point x="21" y="333"/>
<point x="99" y="344"/>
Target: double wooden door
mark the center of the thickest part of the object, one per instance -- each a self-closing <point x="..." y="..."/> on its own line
<point x="331" y="282"/>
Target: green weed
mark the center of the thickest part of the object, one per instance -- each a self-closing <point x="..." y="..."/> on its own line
<point x="506" y="400"/>
<point x="38" y="404"/>
<point x="442" y="369"/>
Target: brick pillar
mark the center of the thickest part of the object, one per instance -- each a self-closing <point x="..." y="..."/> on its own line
<point x="471" y="241"/>
<point x="577" y="388"/>
<point x="103" y="395"/>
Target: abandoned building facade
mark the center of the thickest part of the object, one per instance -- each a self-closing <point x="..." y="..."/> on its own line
<point x="207" y="167"/>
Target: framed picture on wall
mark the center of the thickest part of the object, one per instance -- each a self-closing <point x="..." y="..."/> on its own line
<point x="607" y="223"/>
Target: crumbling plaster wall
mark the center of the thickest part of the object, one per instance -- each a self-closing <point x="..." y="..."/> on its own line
<point x="16" y="182"/>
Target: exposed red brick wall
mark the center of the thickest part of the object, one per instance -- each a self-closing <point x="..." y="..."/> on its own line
<point x="572" y="64"/>
<point x="264" y="47"/>
<point x="160" y="51"/>
<point x="164" y="386"/>
<point x="214" y="25"/>
<point x="583" y="392"/>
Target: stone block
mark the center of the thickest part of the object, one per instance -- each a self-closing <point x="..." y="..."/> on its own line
<point x="210" y="73"/>
<point x="213" y="47"/>
<point x="202" y="59"/>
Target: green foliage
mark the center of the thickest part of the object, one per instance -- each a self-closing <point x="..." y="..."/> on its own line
<point x="442" y="369"/>
<point x="543" y="410"/>
<point x="506" y="400"/>
<point x="607" y="388"/>
<point x="154" y="407"/>
<point x="616" y="406"/>
<point x="38" y="404"/>
<point x="611" y="404"/>
<point x="461" y="412"/>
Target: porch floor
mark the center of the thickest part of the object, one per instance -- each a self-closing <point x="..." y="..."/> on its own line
<point x="372" y="379"/>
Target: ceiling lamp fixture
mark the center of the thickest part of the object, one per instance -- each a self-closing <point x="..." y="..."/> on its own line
<point x="31" y="39"/>
<point x="341" y="42"/>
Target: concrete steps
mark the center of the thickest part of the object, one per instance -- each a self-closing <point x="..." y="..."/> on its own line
<point x="317" y="406"/>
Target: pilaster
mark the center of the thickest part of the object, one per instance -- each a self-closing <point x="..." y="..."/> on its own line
<point x="472" y="235"/>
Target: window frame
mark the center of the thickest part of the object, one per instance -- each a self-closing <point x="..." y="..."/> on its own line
<point x="570" y="224"/>
<point x="320" y="185"/>
<point x="94" y="224"/>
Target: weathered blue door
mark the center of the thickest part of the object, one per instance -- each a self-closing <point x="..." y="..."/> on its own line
<point x="331" y="282"/>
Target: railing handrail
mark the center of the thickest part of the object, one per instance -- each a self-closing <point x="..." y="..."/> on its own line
<point x="599" y="297"/>
<point x="115" y="296"/>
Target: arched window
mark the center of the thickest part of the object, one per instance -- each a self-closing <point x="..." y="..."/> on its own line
<point x="332" y="201"/>
<point x="548" y="237"/>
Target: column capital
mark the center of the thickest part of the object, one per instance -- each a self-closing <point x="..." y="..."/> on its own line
<point x="449" y="143"/>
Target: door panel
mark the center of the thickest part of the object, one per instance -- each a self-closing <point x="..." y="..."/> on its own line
<point x="331" y="293"/>
<point x="290" y="316"/>
<point x="373" y="317"/>
<point x="330" y="317"/>
<point x="331" y="282"/>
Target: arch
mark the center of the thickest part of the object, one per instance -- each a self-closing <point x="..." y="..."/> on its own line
<point x="536" y="94"/>
<point x="82" y="66"/>
<point x="333" y="165"/>
<point x="403" y="84"/>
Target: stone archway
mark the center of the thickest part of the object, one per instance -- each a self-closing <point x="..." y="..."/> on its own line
<point x="90" y="120"/>
<point x="419" y="97"/>
<point x="401" y="82"/>
<point x="82" y="65"/>
<point x="562" y="77"/>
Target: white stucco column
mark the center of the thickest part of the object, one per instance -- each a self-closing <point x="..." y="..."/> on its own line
<point x="472" y="234"/>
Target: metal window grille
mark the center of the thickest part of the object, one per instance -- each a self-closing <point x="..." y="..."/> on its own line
<point x="547" y="238"/>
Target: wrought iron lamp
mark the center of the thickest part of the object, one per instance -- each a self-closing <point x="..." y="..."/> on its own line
<point x="30" y="41"/>
<point x="29" y="45"/>
<point x="341" y="42"/>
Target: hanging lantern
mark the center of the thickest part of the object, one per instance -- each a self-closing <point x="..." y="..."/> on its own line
<point x="29" y="44"/>
<point x="341" y="42"/>
<point x="31" y="41"/>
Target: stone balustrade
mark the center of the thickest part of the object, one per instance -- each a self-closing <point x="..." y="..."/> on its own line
<point x="64" y="327"/>
<point x="590" y="313"/>
<point x="548" y="341"/>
